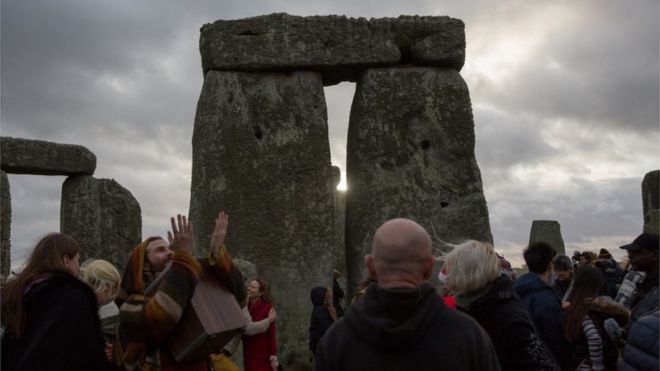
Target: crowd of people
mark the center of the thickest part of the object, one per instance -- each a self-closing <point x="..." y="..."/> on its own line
<point x="587" y="312"/>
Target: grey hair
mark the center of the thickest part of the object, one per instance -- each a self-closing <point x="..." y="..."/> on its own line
<point x="470" y="266"/>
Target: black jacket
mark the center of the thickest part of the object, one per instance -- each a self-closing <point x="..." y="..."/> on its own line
<point x="504" y="318"/>
<point x="63" y="330"/>
<point x="544" y="310"/>
<point x="321" y="319"/>
<point x="405" y="329"/>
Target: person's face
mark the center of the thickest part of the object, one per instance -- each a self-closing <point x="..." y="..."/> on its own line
<point x="159" y="255"/>
<point x="254" y="289"/>
<point x="584" y="260"/>
<point x="643" y="260"/>
<point x="563" y="275"/>
<point x="72" y="264"/>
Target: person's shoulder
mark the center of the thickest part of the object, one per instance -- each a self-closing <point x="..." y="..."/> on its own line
<point x="64" y="282"/>
<point x="651" y="320"/>
<point x="451" y="318"/>
<point x="79" y="289"/>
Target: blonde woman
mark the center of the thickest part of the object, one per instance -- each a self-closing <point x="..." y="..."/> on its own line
<point x="487" y="295"/>
<point x="104" y="279"/>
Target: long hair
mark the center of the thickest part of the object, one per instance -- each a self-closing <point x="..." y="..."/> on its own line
<point x="587" y="284"/>
<point x="264" y="289"/>
<point x="46" y="258"/>
<point x="471" y="266"/>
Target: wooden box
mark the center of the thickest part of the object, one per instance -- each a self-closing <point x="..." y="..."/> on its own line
<point x="211" y="319"/>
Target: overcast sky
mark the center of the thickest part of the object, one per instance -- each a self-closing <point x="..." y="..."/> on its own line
<point x="564" y="93"/>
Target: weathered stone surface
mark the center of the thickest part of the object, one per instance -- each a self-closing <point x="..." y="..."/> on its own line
<point x="5" y="225"/>
<point x="336" y="46"/>
<point x="103" y="216"/>
<point x="652" y="222"/>
<point x="548" y="231"/>
<point x="410" y="154"/>
<point x="650" y="193"/>
<point x="38" y="157"/>
<point x="261" y="153"/>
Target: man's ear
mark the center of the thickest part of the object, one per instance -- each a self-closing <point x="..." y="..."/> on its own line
<point x="66" y="259"/>
<point x="371" y="268"/>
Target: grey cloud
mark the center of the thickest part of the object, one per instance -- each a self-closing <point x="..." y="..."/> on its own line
<point x="599" y="67"/>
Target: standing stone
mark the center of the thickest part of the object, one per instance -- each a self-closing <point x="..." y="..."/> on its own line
<point x="650" y="194"/>
<point x="548" y="231"/>
<point x="410" y="154"/>
<point x="103" y="216"/>
<point x="261" y="153"/>
<point x="652" y="222"/>
<point x="5" y="226"/>
<point x="38" y="157"/>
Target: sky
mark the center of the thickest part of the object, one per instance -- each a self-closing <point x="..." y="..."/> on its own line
<point x="565" y="97"/>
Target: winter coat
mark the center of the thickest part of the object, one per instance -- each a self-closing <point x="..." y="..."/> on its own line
<point x="257" y="349"/>
<point x="499" y="311"/>
<point x="561" y="287"/>
<point x="641" y="352"/>
<point x="646" y="299"/>
<point x="109" y="315"/>
<point x="544" y="309"/>
<point x="62" y="331"/>
<point x="321" y="319"/>
<point x="405" y="329"/>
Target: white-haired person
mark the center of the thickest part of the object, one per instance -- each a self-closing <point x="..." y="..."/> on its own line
<point x="487" y="294"/>
<point x="104" y="279"/>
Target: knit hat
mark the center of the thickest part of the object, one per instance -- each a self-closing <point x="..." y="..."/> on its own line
<point x="604" y="254"/>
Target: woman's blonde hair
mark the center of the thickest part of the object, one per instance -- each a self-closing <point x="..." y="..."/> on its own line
<point x="101" y="275"/>
<point x="470" y="266"/>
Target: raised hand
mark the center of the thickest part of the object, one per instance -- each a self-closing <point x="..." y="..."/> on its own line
<point x="220" y="230"/>
<point x="181" y="236"/>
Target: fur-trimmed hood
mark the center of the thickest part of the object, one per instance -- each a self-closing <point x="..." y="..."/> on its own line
<point x="609" y="308"/>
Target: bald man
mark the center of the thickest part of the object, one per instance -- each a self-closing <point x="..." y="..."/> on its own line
<point x="401" y="323"/>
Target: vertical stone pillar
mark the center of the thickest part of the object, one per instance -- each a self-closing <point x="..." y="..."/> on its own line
<point x="548" y="231"/>
<point x="651" y="201"/>
<point x="103" y="216"/>
<point x="261" y="153"/>
<point x="5" y="226"/>
<point x="410" y="153"/>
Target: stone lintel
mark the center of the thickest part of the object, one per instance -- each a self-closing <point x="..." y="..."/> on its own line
<point x="336" y="46"/>
<point x="38" y="157"/>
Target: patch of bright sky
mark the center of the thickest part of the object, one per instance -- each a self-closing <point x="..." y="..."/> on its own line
<point x="593" y="155"/>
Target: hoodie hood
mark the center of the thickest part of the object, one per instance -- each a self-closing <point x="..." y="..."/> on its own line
<point x="318" y="296"/>
<point x="501" y="289"/>
<point x="529" y="283"/>
<point x="394" y="319"/>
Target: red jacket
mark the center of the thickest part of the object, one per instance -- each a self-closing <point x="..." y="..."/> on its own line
<point x="257" y="349"/>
